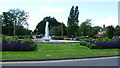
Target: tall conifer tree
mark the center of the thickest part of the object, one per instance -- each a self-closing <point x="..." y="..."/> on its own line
<point x="72" y="22"/>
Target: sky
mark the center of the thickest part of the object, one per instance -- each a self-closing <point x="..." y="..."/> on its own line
<point x="100" y="12"/>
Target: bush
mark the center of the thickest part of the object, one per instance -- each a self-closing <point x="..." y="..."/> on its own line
<point x="9" y="40"/>
<point x="13" y="40"/>
<point x="81" y="37"/>
<point x="5" y="40"/>
<point x="33" y="47"/>
<point x="91" y="39"/>
<point x="67" y="38"/>
<point x="92" y="46"/>
<point x="104" y="40"/>
<point x="83" y="43"/>
<point x="27" y="41"/>
<point x="89" y="45"/>
<point x="110" y="32"/>
<point x="24" y="37"/>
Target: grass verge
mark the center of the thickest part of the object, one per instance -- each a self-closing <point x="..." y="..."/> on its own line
<point x="58" y="50"/>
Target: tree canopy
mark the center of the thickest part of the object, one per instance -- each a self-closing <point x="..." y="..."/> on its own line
<point x="110" y="32"/>
<point x="72" y="23"/>
<point x="58" y="30"/>
<point x="85" y="28"/>
<point x="40" y="28"/>
<point x="12" y="20"/>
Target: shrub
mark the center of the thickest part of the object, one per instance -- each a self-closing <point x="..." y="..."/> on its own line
<point x="110" y="32"/>
<point x="24" y="37"/>
<point x="104" y="40"/>
<point x="81" y="37"/>
<point x="33" y="47"/>
<point x="91" y="39"/>
<point x="5" y="40"/>
<point x="9" y="40"/>
<point x="83" y="43"/>
<point x="67" y="38"/>
<point x="92" y="46"/>
<point x="27" y="41"/>
<point x="13" y="40"/>
<point x="89" y="45"/>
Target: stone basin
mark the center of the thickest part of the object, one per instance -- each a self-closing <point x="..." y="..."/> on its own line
<point x="54" y="41"/>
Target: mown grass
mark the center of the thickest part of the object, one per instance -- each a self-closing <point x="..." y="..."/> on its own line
<point x="57" y="50"/>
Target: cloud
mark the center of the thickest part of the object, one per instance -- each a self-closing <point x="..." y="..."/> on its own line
<point x="33" y="21"/>
<point x="107" y="21"/>
<point x="51" y="10"/>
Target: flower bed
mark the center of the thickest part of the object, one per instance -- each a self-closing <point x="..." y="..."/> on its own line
<point x="18" y="46"/>
<point x="100" y="45"/>
<point x="14" y="44"/>
<point x="107" y="44"/>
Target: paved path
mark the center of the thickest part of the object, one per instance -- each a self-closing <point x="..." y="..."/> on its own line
<point x="108" y="61"/>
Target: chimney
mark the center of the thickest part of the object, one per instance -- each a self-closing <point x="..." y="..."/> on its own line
<point x="104" y="26"/>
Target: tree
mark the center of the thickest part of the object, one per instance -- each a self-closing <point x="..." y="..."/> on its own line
<point x="110" y="32"/>
<point x="85" y="28"/>
<point x="1" y="25"/>
<point x="7" y="24"/>
<point x="58" y="30"/>
<point x="40" y="28"/>
<point x="13" y="18"/>
<point x="117" y="30"/>
<point x="20" y="16"/>
<point x="94" y="30"/>
<point x="72" y="22"/>
<point x="55" y="31"/>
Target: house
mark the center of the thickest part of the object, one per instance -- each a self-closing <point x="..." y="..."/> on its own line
<point x="101" y="32"/>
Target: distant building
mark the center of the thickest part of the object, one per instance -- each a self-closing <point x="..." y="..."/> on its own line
<point x="101" y="32"/>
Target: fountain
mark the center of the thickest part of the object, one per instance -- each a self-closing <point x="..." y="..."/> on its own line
<point x="46" y="36"/>
<point x="47" y="39"/>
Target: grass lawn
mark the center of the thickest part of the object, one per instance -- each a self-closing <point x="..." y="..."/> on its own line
<point x="57" y="50"/>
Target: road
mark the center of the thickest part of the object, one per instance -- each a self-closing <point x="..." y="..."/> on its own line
<point x="108" y="61"/>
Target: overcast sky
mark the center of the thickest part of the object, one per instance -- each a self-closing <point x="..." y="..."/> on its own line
<point x="100" y="11"/>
